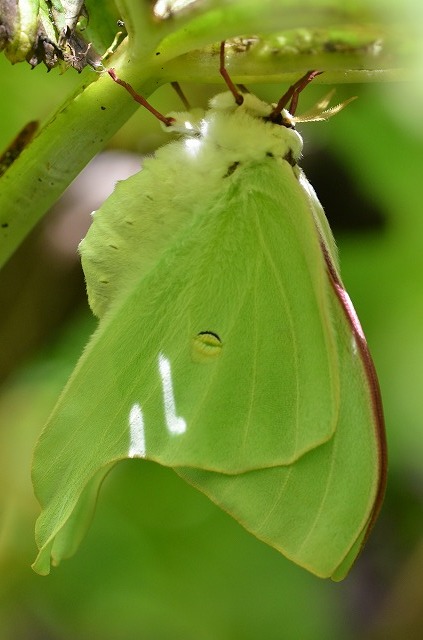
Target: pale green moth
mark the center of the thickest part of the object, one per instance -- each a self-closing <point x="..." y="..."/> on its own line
<point x="227" y="346"/>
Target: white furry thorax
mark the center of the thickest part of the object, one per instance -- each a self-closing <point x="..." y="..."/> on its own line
<point x="230" y="132"/>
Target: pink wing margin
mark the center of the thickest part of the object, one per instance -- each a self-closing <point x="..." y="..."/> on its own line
<point x="372" y="379"/>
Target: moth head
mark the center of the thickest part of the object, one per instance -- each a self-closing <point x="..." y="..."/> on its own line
<point x="251" y="104"/>
<point x="255" y="107"/>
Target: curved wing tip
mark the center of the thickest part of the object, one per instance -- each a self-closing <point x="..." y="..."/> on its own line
<point x="41" y="565"/>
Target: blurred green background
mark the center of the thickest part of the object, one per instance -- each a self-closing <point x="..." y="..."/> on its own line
<point x="160" y="561"/>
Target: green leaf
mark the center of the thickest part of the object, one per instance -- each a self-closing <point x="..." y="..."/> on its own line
<point x="40" y="31"/>
<point x="18" y="22"/>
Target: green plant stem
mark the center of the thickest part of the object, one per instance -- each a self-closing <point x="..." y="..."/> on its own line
<point x="154" y="53"/>
<point x="67" y="143"/>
